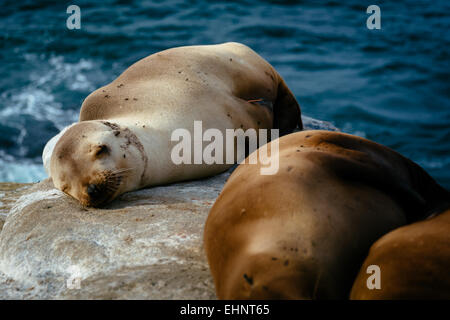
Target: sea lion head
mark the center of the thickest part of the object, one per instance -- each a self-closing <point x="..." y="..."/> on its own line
<point x="95" y="161"/>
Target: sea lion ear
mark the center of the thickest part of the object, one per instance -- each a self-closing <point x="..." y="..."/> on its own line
<point x="286" y="110"/>
<point x="101" y="150"/>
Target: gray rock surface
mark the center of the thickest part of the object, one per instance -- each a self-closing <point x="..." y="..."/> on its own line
<point x="9" y="193"/>
<point x="145" y="245"/>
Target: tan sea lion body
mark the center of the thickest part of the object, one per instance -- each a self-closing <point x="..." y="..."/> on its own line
<point x="135" y="115"/>
<point x="414" y="262"/>
<point x="303" y="233"/>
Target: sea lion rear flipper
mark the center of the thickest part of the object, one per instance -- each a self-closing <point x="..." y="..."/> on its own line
<point x="286" y="110"/>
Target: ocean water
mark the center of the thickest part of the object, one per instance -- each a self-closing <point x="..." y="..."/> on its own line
<point x="389" y="85"/>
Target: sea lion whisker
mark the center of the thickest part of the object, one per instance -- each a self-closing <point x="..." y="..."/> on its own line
<point x="122" y="170"/>
<point x="117" y="177"/>
<point x="111" y="188"/>
<point x="111" y="192"/>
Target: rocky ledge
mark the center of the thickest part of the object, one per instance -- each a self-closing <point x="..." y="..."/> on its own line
<point x="145" y="245"/>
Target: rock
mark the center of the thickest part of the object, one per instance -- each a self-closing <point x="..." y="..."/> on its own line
<point x="145" y="245"/>
<point x="9" y="193"/>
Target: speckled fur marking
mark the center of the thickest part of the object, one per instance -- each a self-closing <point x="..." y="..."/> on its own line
<point x="131" y="139"/>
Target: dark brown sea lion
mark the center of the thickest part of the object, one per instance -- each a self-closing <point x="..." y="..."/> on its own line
<point x="414" y="262"/>
<point x="304" y="232"/>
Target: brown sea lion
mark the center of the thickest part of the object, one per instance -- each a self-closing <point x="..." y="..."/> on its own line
<point x="413" y="261"/>
<point x="304" y="232"/>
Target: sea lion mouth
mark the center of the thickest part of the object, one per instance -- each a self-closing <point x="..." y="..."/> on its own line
<point x="106" y="189"/>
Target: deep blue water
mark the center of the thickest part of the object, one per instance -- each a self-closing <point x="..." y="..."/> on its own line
<point x="389" y="85"/>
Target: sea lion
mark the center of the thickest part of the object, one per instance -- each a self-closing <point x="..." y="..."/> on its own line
<point x="123" y="139"/>
<point x="413" y="261"/>
<point x="304" y="232"/>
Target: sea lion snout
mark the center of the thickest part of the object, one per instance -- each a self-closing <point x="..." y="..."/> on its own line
<point x="97" y="194"/>
<point x="103" y="187"/>
<point x="93" y="190"/>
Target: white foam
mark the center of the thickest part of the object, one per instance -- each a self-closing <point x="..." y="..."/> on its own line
<point x="314" y="124"/>
<point x="24" y="172"/>
<point x="37" y="99"/>
<point x="348" y="128"/>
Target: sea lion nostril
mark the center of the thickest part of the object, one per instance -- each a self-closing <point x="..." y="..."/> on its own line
<point x="92" y="190"/>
